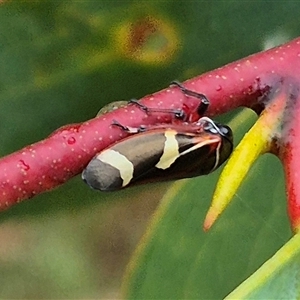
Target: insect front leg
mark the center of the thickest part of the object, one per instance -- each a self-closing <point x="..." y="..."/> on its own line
<point x="129" y="129"/>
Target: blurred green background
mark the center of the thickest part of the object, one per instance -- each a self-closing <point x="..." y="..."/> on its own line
<point x="60" y="61"/>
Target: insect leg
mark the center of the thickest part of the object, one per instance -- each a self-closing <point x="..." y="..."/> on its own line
<point x="204" y="100"/>
<point x="128" y="129"/>
<point x="179" y="113"/>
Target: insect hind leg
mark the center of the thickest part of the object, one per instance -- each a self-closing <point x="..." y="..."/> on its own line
<point x="204" y="100"/>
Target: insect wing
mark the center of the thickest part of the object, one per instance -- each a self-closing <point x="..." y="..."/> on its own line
<point x="117" y="166"/>
<point x="156" y="155"/>
<point x="197" y="156"/>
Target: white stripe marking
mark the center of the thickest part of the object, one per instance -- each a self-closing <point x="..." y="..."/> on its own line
<point x="120" y="162"/>
<point x="170" y="153"/>
<point x="199" y="145"/>
<point x="204" y="143"/>
<point x="217" y="157"/>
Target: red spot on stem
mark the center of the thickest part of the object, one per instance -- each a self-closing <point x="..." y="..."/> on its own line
<point x="71" y="140"/>
<point x="23" y="165"/>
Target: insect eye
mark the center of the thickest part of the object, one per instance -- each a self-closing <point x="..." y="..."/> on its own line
<point x="210" y="127"/>
<point x="216" y="128"/>
<point x="225" y="130"/>
<point x="228" y="133"/>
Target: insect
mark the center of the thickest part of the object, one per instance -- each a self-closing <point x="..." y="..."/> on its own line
<point x="160" y="152"/>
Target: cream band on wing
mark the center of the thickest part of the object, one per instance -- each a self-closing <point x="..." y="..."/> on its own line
<point x="120" y="162"/>
<point x="171" y="152"/>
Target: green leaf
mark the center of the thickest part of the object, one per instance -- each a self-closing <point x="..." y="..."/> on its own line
<point x="60" y="63"/>
<point x="278" y="278"/>
<point x="176" y="259"/>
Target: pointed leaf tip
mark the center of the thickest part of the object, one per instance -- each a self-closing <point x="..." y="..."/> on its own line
<point x="211" y="217"/>
<point x="256" y="142"/>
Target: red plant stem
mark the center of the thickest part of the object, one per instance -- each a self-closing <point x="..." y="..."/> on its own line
<point x="291" y="162"/>
<point x="48" y="163"/>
